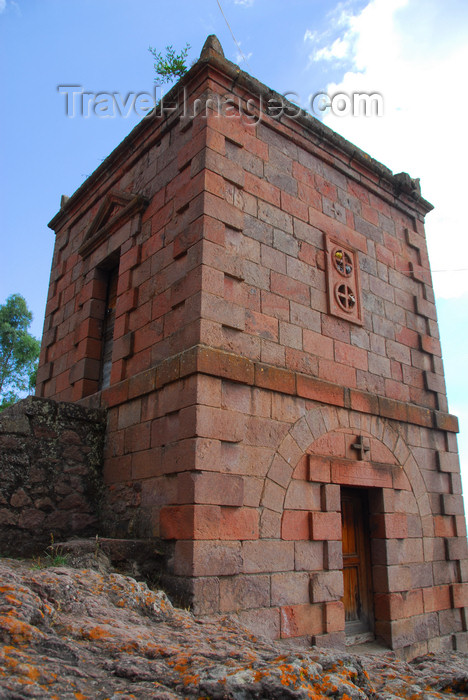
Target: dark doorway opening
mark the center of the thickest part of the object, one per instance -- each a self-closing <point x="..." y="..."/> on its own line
<point x="108" y="328"/>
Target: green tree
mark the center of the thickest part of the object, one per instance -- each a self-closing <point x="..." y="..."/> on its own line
<point x="171" y="66"/>
<point x="19" y="351"/>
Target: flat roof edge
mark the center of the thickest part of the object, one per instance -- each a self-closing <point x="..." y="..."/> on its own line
<point x="401" y="182"/>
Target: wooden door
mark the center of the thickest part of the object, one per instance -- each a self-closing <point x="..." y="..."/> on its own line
<point x="357" y="597"/>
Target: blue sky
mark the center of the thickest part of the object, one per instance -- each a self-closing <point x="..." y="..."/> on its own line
<point x="414" y="52"/>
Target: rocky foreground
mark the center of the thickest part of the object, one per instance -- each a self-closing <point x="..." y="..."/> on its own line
<point x="68" y="633"/>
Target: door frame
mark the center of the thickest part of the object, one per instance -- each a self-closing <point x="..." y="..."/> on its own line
<point x="364" y="625"/>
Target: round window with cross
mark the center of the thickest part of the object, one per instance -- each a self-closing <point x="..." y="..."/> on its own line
<point x="343" y="262"/>
<point x="346" y="297"/>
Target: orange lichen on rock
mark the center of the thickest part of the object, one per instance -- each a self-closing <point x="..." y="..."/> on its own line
<point x="95" y="633"/>
<point x="28" y="671"/>
<point x="82" y="635"/>
<point x="17" y="631"/>
<point x="288" y="678"/>
<point x="191" y="679"/>
<point x="258" y="675"/>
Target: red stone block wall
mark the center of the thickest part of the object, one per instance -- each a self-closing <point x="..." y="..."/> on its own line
<point x="243" y="398"/>
<point x="273" y="553"/>
<point x="279" y="197"/>
<point x="158" y="288"/>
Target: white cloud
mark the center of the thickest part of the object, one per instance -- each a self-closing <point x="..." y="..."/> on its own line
<point x="461" y="412"/>
<point x="244" y="3"/>
<point x="412" y="52"/>
<point x="240" y="57"/>
<point x="2" y="6"/>
<point x="339" y="49"/>
<point x="310" y="36"/>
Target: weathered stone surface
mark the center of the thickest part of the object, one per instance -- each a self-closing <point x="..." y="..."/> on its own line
<point x="67" y="633"/>
<point x="139" y="558"/>
<point x="50" y="461"/>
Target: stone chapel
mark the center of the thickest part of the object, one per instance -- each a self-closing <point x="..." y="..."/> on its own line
<point x="249" y="295"/>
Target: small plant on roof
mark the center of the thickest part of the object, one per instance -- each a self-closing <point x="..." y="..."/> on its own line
<point x="171" y="66"/>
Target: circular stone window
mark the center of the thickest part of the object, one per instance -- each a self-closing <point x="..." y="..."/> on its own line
<point x="343" y="262"/>
<point x="345" y="297"/>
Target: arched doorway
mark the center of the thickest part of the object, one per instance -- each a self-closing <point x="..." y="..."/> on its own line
<point x="345" y="453"/>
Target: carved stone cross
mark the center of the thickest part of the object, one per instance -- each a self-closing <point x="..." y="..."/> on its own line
<point x="362" y="446"/>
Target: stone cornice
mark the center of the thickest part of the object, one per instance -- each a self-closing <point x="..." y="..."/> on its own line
<point x="401" y="184"/>
<point x="201" y="359"/>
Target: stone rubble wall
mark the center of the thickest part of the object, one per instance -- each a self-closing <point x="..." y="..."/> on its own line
<point x="50" y="465"/>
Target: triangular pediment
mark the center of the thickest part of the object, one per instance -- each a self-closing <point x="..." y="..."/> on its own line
<point x="116" y="209"/>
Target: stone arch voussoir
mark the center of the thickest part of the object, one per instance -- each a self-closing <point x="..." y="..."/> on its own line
<point x="318" y="422"/>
